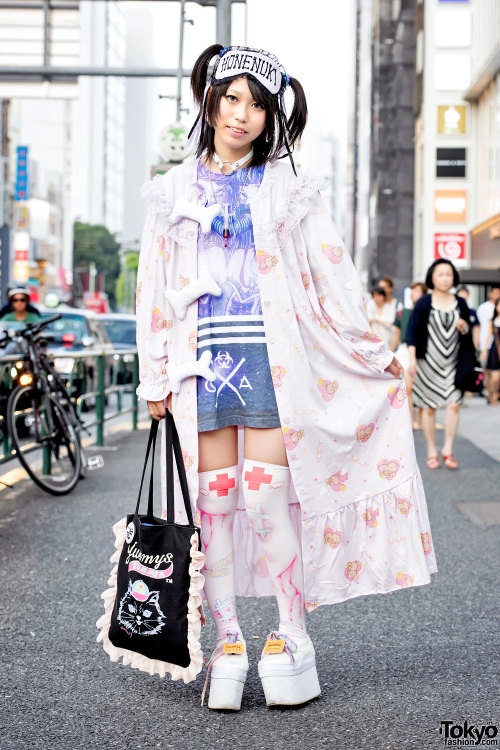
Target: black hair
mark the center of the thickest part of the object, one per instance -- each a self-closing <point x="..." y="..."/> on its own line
<point x="495" y="306"/>
<point x="379" y="290"/>
<point x="277" y="135"/>
<point x="433" y="266"/>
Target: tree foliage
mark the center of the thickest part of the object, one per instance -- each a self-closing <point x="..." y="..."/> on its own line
<point x="95" y="243"/>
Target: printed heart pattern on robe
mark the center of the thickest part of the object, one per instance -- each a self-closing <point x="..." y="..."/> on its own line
<point x="193" y="341"/>
<point x="403" y="505"/>
<point x="158" y="322"/>
<point x="404" y="580"/>
<point x="265" y="261"/>
<point x="371" y="336"/>
<point x="364" y="432"/>
<point x="388" y="469"/>
<point x="277" y="374"/>
<point x="332" y="537"/>
<point x="306" y="280"/>
<point x="328" y="388"/>
<point x="352" y="570"/>
<point x="334" y="253"/>
<point x="426" y="542"/>
<point x="336" y="481"/>
<point x="292" y="437"/>
<point x="370" y="517"/>
<point x="397" y="396"/>
<point x="138" y="294"/>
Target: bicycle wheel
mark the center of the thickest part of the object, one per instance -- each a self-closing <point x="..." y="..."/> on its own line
<point x="44" y="439"/>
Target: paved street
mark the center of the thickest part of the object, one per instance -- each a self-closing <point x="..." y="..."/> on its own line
<point x="391" y="667"/>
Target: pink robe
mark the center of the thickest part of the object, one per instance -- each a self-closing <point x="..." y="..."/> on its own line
<point x="356" y="493"/>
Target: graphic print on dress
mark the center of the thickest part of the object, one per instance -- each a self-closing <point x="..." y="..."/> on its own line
<point x="332" y="537"/>
<point x="328" y="388"/>
<point x="397" y="396"/>
<point x="336" y="481"/>
<point x="388" y="469"/>
<point x="332" y="252"/>
<point x="139" y="612"/>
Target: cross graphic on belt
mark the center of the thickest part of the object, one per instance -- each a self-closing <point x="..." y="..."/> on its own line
<point x="222" y="484"/>
<point x="256" y="477"/>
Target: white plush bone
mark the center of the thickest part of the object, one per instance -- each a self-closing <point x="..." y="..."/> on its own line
<point x="201" y="367"/>
<point x="204" y="215"/>
<point x="204" y="284"/>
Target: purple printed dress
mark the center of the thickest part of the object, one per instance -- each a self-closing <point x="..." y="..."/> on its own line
<point x="231" y="326"/>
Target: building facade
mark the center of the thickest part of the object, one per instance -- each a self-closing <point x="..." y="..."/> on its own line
<point x="383" y="142"/>
<point x="457" y="138"/>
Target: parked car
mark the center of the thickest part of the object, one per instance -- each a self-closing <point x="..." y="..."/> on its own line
<point x="121" y="329"/>
<point x="77" y="331"/>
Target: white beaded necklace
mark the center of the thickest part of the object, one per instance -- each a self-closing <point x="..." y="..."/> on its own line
<point x="225" y="206"/>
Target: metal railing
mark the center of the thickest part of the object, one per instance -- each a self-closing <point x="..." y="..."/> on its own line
<point x="119" y="360"/>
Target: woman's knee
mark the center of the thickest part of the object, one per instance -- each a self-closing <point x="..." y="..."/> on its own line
<point x="428" y="412"/>
<point x="455" y="407"/>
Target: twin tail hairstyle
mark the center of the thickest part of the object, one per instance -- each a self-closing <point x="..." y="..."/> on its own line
<point x="280" y="133"/>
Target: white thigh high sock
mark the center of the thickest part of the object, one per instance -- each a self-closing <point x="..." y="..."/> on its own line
<point x="217" y="505"/>
<point x="265" y="489"/>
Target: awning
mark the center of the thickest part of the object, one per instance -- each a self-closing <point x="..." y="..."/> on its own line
<point x="485" y="246"/>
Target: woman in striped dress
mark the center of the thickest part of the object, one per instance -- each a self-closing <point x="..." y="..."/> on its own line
<point x="438" y="321"/>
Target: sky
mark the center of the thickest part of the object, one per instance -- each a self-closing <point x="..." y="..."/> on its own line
<point x="314" y="41"/>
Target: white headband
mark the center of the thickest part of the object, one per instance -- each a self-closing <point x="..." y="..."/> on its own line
<point x="260" y="65"/>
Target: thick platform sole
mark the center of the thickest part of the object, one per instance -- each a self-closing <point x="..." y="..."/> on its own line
<point x="225" y="694"/>
<point x="285" y="686"/>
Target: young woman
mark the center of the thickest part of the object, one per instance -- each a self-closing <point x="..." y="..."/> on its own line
<point x="19" y="299"/>
<point x="491" y="357"/>
<point x="380" y="315"/>
<point x="252" y="325"/>
<point x="435" y="336"/>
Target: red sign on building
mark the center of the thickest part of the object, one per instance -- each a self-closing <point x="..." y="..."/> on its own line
<point x="449" y="246"/>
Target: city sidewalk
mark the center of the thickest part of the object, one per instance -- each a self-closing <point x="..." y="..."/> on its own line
<point x="392" y="667"/>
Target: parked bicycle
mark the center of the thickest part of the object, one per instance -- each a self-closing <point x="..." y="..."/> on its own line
<point x="41" y="416"/>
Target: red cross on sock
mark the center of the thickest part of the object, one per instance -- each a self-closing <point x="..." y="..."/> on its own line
<point x="222" y="484"/>
<point x="256" y="477"/>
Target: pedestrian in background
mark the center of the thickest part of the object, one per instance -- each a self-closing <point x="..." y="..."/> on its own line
<point x="491" y="357"/>
<point x="387" y="285"/>
<point x="399" y="346"/>
<point x="19" y="299"/>
<point x="380" y="315"/>
<point x="463" y="291"/>
<point x="438" y="322"/>
<point x="8" y="308"/>
<point x="484" y="313"/>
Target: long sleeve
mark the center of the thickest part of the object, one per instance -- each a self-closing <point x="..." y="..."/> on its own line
<point x="339" y="288"/>
<point x="152" y="324"/>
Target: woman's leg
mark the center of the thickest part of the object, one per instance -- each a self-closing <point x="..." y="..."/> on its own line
<point x="429" y="428"/>
<point x="266" y="483"/>
<point x="218" y="459"/>
<point x="494" y="385"/>
<point x="288" y="671"/>
<point x="450" y="427"/>
<point x="217" y="500"/>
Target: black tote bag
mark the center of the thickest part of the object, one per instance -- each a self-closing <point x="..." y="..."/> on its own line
<point x="152" y="611"/>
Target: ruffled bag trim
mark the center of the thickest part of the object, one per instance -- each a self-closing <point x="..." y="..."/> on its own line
<point x="138" y="661"/>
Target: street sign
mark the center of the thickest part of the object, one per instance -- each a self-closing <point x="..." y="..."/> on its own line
<point x="21" y="191"/>
<point x="450" y="246"/>
<point x="452" y="119"/>
<point x="450" y="205"/>
<point x="451" y="162"/>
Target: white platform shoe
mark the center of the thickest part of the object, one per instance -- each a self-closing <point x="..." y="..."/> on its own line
<point x="227" y="671"/>
<point x="287" y="670"/>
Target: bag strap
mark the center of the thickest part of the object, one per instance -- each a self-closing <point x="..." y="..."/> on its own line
<point x="173" y="446"/>
<point x="153" y="432"/>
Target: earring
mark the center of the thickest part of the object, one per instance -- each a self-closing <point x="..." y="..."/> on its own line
<point x="268" y="138"/>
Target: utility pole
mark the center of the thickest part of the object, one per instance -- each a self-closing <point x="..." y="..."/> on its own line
<point x="223" y="23"/>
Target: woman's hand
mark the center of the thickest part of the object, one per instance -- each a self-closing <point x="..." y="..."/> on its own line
<point x="462" y="325"/>
<point x="157" y="408"/>
<point x="484" y="356"/>
<point x="395" y="368"/>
